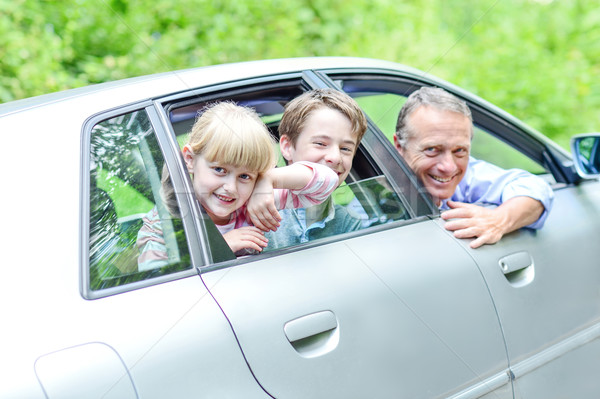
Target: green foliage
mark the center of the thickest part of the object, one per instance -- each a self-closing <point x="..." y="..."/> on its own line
<point x="537" y="59"/>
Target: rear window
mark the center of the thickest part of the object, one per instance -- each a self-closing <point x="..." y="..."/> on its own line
<point x="135" y="229"/>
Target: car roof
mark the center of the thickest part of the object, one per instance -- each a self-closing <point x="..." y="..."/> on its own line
<point x="150" y="86"/>
<point x="93" y="99"/>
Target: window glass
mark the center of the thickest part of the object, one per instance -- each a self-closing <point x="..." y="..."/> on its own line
<point x="135" y="230"/>
<point x="383" y="110"/>
<point x="353" y="206"/>
<point x="372" y="199"/>
<point x="489" y="148"/>
<point x="366" y="198"/>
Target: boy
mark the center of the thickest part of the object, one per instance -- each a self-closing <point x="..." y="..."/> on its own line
<point x="323" y="126"/>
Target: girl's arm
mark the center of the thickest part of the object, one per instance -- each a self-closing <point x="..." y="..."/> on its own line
<point x="246" y="237"/>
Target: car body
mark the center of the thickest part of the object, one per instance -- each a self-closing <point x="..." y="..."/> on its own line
<point x="400" y="308"/>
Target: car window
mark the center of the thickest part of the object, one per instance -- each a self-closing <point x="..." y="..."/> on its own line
<point x="383" y="110"/>
<point x="373" y="200"/>
<point x="367" y="195"/>
<point x="135" y="232"/>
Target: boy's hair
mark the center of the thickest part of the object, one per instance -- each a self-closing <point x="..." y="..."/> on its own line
<point x="299" y="109"/>
<point x="235" y="135"/>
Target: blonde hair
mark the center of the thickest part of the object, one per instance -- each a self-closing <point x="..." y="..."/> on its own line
<point x="234" y="135"/>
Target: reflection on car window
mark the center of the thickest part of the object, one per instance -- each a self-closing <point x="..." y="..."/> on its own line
<point x="487" y="147"/>
<point x="383" y="110"/>
<point x="354" y="206"/>
<point x="129" y="208"/>
<point x="373" y="200"/>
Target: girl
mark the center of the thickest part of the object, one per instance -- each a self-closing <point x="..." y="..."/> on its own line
<point x="230" y="156"/>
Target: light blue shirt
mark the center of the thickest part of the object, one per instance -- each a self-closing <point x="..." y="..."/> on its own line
<point x="485" y="184"/>
<point x="293" y="229"/>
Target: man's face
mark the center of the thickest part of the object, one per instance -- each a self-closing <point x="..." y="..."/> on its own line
<point x="326" y="139"/>
<point x="438" y="150"/>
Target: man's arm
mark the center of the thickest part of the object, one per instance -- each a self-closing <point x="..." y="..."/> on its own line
<point x="488" y="225"/>
<point x="522" y="199"/>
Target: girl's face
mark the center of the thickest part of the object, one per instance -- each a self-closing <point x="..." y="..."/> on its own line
<point x="220" y="188"/>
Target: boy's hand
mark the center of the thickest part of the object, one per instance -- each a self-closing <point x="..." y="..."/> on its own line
<point x="261" y="206"/>
<point x="246" y="237"/>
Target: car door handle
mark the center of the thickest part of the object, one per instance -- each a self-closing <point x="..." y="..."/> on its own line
<point x="518" y="268"/>
<point x="309" y="325"/>
<point x="314" y="334"/>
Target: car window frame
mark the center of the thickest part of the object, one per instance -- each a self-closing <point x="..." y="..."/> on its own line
<point x="486" y="116"/>
<point x="170" y="157"/>
<point x="391" y="165"/>
<point x="200" y="233"/>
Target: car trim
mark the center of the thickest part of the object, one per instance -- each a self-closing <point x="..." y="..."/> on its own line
<point x="192" y="220"/>
<point x="216" y="90"/>
<point x="84" y="201"/>
<point x="484" y="387"/>
<point x="555" y="351"/>
<point x="315" y="243"/>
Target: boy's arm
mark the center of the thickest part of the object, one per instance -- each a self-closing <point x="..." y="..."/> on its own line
<point x="298" y="185"/>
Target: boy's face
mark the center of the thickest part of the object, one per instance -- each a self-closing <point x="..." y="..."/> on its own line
<point x="326" y="139"/>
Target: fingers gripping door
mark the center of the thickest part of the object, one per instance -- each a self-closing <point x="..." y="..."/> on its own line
<point x="399" y="313"/>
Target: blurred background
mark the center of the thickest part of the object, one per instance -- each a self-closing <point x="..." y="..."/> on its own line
<point x="537" y="59"/>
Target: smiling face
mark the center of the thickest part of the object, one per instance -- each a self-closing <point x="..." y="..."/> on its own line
<point x="437" y="149"/>
<point x="220" y="188"/>
<point x="326" y="138"/>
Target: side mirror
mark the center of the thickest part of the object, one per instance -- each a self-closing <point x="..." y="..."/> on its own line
<point x="586" y="154"/>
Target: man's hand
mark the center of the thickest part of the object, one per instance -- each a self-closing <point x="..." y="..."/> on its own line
<point x="489" y="225"/>
<point x="246" y="237"/>
<point x="261" y="206"/>
<point x="469" y="220"/>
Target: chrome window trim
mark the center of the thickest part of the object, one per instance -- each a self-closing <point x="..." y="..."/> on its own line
<point x="484" y="387"/>
<point x="555" y="351"/>
<point x="84" y="205"/>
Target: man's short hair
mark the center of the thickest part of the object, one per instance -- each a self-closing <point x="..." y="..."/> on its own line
<point x="300" y="108"/>
<point x="433" y="97"/>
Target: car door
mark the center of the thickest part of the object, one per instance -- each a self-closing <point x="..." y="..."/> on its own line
<point x="398" y="309"/>
<point x="544" y="283"/>
<point x="545" y="287"/>
<point x="147" y="326"/>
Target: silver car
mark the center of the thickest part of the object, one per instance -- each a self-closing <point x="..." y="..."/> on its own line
<point x="398" y="309"/>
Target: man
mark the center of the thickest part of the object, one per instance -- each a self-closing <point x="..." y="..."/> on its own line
<point x="433" y="135"/>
